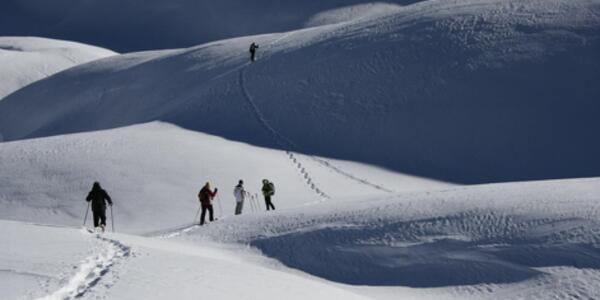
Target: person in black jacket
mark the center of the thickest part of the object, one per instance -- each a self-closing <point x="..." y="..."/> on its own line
<point x="268" y="190"/>
<point x="99" y="197"/>
<point x="253" y="48"/>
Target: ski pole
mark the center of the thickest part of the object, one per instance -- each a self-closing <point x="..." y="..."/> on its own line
<point x="220" y="207"/>
<point x="248" y="199"/>
<point x="86" y="214"/>
<point x="258" y="202"/>
<point x="112" y="219"/>
<point x="197" y="213"/>
<point x="255" y="203"/>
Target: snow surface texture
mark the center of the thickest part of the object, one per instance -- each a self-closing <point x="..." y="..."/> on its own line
<point x="155" y="24"/>
<point x="28" y="59"/>
<point x="468" y="92"/>
<point x="37" y="261"/>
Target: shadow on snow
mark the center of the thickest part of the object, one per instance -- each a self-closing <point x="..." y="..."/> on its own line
<point x="417" y="254"/>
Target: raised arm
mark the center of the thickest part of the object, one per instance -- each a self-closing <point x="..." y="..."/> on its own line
<point x="107" y="197"/>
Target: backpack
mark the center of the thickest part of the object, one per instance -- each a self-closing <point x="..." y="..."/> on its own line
<point x="272" y="188"/>
<point x="239" y="193"/>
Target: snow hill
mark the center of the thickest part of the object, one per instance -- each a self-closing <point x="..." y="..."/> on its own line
<point x="27" y="59"/>
<point x="154" y="172"/>
<point x="154" y="24"/>
<point x="536" y="240"/>
<point x="462" y="91"/>
<point x="424" y="240"/>
<point x="529" y="240"/>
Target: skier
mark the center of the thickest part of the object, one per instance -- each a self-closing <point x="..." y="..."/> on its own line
<point x="268" y="191"/>
<point x="240" y="195"/>
<point x="253" y="48"/>
<point x="99" y="197"/>
<point x="205" y="196"/>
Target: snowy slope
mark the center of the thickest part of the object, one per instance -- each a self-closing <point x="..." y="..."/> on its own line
<point x="37" y="260"/>
<point x="77" y="265"/>
<point x="465" y="91"/>
<point x="531" y="240"/>
<point x="534" y="240"/>
<point x="154" y="24"/>
<point x="154" y="172"/>
<point x="27" y="59"/>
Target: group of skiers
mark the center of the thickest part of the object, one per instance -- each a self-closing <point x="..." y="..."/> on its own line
<point x="206" y="196"/>
<point x="98" y="199"/>
<point x="240" y="194"/>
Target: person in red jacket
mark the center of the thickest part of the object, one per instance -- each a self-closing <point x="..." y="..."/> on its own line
<point x="206" y="196"/>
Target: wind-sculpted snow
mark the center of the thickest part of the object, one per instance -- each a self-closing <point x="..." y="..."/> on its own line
<point x="464" y="91"/>
<point x="481" y="239"/>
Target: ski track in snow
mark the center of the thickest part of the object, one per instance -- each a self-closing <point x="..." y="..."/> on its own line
<point x="174" y="232"/>
<point x="321" y="161"/>
<point x="287" y="144"/>
<point x="277" y="137"/>
<point x="91" y="271"/>
<point x="329" y="165"/>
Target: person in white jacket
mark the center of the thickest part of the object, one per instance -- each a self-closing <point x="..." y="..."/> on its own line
<point x="240" y="195"/>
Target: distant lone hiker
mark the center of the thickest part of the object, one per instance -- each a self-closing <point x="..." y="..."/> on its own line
<point x="268" y="191"/>
<point x="240" y="195"/>
<point x="253" y="48"/>
<point x="205" y="196"/>
<point x="99" y="197"/>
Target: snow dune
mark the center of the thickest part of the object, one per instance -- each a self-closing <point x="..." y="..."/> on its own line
<point x="27" y="59"/>
<point x="532" y="240"/>
<point x="478" y="241"/>
<point x="154" y="171"/>
<point x="468" y="92"/>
